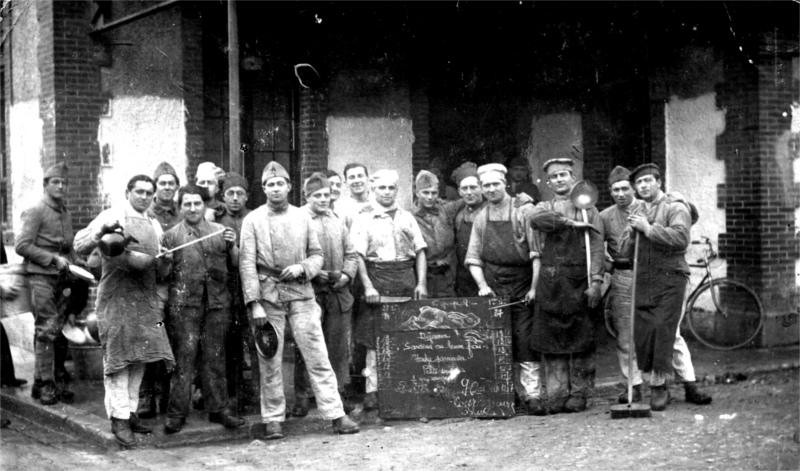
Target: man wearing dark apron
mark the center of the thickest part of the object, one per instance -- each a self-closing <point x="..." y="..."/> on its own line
<point x="562" y="328"/>
<point x="391" y="262"/>
<point x="661" y="280"/>
<point x="499" y="259"/>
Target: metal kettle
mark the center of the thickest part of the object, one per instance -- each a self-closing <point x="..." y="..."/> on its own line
<point x="113" y="244"/>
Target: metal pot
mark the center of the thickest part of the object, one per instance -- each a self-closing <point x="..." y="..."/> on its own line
<point x="112" y="244"/>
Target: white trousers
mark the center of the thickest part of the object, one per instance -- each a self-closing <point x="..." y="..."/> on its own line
<point x="122" y="391"/>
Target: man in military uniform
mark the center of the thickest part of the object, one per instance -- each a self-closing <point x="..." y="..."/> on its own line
<point x="45" y="242"/>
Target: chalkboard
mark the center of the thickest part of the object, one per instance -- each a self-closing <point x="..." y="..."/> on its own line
<point x="448" y="357"/>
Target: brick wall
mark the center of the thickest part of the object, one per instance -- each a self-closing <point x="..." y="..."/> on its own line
<point x="71" y="101"/>
<point x="192" y="84"/>
<point x="420" y="114"/>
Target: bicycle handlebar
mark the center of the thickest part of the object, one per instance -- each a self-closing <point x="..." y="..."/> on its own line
<point x="710" y="254"/>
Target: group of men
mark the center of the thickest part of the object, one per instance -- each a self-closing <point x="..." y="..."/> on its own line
<point x="200" y="278"/>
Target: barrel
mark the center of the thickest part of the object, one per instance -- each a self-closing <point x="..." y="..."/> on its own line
<point x="15" y="274"/>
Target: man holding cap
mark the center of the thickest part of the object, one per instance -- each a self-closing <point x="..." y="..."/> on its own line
<point x="562" y="328"/>
<point x="45" y="242"/>
<point x="331" y="289"/>
<point x="435" y="221"/>
<point x="234" y="194"/>
<point x="499" y="257"/>
<point x="280" y="254"/>
<point x="391" y="262"/>
<point x="661" y="279"/>
<point x="617" y="234"/>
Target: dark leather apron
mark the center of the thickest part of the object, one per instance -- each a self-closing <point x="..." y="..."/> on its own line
<point x="388" y="279"/>
<point x="465" y="284"/>
<point x="508" y="274"/>
<point x="561" y="322"/>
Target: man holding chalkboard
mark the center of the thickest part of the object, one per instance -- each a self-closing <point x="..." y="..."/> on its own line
<point x="499" y="258"/>
<point x="562" y="330"/>
<point x="392" y="262"/>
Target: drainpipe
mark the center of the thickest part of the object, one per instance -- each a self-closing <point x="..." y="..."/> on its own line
<point x="235" y="154"/>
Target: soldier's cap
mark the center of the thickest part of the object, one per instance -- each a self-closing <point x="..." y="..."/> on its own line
<point x="489" y="171"/>
<point x="58" y="170"/>
<point x="467" y="169"/>
<point x="385" y="175"/>
<point x="272" y="170"/>
<point x="518" y="162"/>
<point x="618" y="174"/>
<point x="233" y="179"/>
<point x="315" y="182"/>
<point x="164" y="168"/>
<point x="426" y="179"/>
<point x="209" y="171"/>
<point x="559" y="164"/>
<point x="645" y="169"/>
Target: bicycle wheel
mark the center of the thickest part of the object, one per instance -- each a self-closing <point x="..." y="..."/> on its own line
<point x="729" y="317"/>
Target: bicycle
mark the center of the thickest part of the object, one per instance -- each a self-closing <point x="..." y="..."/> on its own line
<point x="722" y="314"/>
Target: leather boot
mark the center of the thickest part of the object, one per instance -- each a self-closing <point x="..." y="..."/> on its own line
<point x="45" y="392"/>
<point x="272" y="431"/>
<point x="695" y="396"/>
<point x="121" y="428"/>
<point x="301" y="406"/>
<point x="137" y="426"/>
<point x="227" y="418"/>
<point x="575" y="404"/>
<point x="147" y="407"/>
<point x="371" y="401"/>
<point x="637" y="395"/>
<point x="659" y="397"/>
<point x="344" y="425"/>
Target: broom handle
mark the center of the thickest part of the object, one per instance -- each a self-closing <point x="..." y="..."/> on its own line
<point x="631" y="346"/>
<point x="191" y="243"/>
<point x="588" y="250"/>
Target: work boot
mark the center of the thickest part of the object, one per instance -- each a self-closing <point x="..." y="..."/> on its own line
<point x="575" y="404"/>
<point x="64" y="395"/>
<point x="272" y="431"/>
<point x="137" y="426"/>
<point x="147" y="407"/>
<point x="121" y="428"/>
<point x="535" y="407"/>
<point x="174" y="425"/>
<point x="371" y="401"/>
<point x="344" y="425"/>
<point x="301" y="406"/>
<point x="694" y="395"/>
<point x="659" y="397"/>
<point x="45" y="392"/>
<point x="637" y="395"/>
<point x="227" y="418"/>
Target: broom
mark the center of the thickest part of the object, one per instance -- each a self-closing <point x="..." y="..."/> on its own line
<point x="631" y="410"/>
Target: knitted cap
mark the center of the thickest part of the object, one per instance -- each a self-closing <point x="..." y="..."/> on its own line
<point x="619" y="174"/>
<point x="467" y="169"/>
<point x="315" y="182"/>
<point x="233" y="179"/>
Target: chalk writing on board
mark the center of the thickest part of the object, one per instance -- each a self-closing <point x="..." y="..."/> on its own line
<point x="445" y="358"/>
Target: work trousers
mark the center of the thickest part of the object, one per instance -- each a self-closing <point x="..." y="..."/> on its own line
<point x="122" y="391"/>
<point x="568" y="374"/>
<point x="304" y="319"/>
<point x="193" y="328"/>
<point x="621" y="285"/>
<point x="337" y="327"/>
<point x="48" y="292"/>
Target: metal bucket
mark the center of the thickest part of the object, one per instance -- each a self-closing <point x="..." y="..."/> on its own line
<point x="88" y="361"/>
<point x="15" y="274"/>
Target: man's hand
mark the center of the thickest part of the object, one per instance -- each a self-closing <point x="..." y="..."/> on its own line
<point x="639" y="223"/>
<point x="229" y="235"/>
<point x="371" y="295"/>
<point x="343" y="281"/>
<point x="522" y="199"/>
<point x="61" y="263"/>
<point x="440" y="263"/>
<point x="582" y="225"/>
<point x="593" y="293"/>
<point x="420" y="292"/>
<point x="110" y="227"/>
<point x="291" y="272"/>
<point x="530" y="296"/>
<point x="485" y="291"/>
<point x="258" y="316"/>
<point x="323" y="277"/>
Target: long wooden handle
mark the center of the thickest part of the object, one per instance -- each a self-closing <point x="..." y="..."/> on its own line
<point x="588" y="249"/>
<point x="631" y="346"/>
<point x="191" y="243"/>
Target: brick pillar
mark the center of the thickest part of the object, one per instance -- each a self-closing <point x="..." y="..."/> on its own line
<point x="71" y="101"/>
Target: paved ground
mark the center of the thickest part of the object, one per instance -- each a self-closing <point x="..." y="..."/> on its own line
<point x="751" y="424"/>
